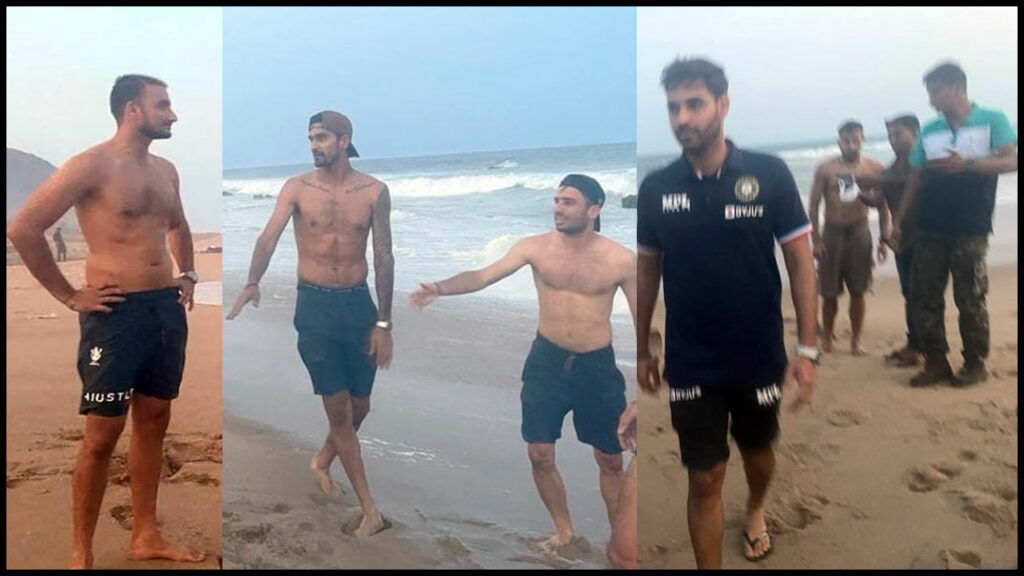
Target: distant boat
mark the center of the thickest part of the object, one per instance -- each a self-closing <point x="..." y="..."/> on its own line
<point x="504" y="164"/>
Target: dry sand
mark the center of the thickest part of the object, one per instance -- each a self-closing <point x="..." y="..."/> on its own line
<point x="877" y="475"/>
<point x="44" y="433"/>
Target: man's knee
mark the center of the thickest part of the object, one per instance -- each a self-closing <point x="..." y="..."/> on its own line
<point x="707" y="484"/>
<point x="542" y="456"/>
<point x="608" y="463"/>
<point x="99" y="441"/>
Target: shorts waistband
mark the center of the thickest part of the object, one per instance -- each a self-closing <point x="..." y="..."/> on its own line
<point x="171" y="292"/>
<point x="334" y="289"/>
<point x="555" y="348"/>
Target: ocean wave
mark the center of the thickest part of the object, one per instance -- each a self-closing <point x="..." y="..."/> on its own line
<point x="814" y="152"/>
<point x="615" y="182"/>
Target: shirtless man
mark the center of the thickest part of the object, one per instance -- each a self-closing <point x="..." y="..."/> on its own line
<point x="343" y="338"/>
<point x="131" y="309"/>
<point x="844" y="249"/>
<point x="571" y="365"/>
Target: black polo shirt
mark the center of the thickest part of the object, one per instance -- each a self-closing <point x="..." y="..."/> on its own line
<point x="723" y="294"/>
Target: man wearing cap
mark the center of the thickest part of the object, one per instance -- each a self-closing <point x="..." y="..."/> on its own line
<point x="571" y="365"/>
<point x="710" y="222"/>
<point x="343" y="336"/>
<point x="844" y="248"/>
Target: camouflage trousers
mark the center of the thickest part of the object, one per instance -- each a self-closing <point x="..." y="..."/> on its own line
<point x="936" y="258"/>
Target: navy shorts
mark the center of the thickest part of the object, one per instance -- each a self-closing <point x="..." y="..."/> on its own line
<point x="334" y="326"/>
<point x="701" y="414"/>
<point x="137" y="347"/>
<point x="556" y="381"/>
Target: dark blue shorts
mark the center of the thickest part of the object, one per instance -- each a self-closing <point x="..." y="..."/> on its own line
<point x="556" y="381"/>
<point x="137" y="347"/>
<point x="334" y="326"/>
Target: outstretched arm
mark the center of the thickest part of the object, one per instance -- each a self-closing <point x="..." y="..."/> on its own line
<point x="474" y="280"/>
<point x="264" y="249"/>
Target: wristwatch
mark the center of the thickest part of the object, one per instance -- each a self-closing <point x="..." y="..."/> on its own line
<point x="812" y="353"/>
<point x="190" y="275"/>
<point x="385" y="324"/>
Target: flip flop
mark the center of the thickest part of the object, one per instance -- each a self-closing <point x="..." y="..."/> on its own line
<point x="752" y="544"/>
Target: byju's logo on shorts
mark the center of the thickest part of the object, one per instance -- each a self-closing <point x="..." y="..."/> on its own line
<point x="683" y="394"/>
<point x="675" y="203"/>
<point x="769" y="395"/>
<point x="94" y="355"/>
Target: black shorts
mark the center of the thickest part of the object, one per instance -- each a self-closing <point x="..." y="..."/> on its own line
<point x="334" y="326"/>
<point x="556" y="381"/>
<point x="700" y="416"/>
<point x="137" y="347"/>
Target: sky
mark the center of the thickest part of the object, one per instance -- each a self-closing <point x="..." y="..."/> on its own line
<point x="61" y="65"/>
<point x="427" y="80"/>
<point x="796" y="73"/>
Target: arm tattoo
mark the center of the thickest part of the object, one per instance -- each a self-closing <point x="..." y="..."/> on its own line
<point x="383" y="259"/>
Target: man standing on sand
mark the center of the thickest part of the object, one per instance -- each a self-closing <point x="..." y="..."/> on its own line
<point x="571" y="365"/>
<point x="343" y="338"/>
<point x="887" y="195"/>
<point x="58" y="243"/>
<point x="709" y="221"/>
<point x="844" y="249"/>
<point x="131" y="310"/>
<point x="956" y="165"/>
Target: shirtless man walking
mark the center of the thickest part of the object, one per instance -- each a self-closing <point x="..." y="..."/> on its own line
<point x="343" y="337"/>
<point x="131" y="309"/>
<point x="844" y="248"/>
<point x="571" y="365"/>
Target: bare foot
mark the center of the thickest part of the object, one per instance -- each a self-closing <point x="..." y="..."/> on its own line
<point x="857" y="350"/>
<point x="826" y="343"/>
<point x="555" y="542"/>
<point x="323" y="477"/>
<point x="758" y="543"/>
<point x="81" y="561"/>
<point x="372" y="524"/>
<point x="156" y="548"/>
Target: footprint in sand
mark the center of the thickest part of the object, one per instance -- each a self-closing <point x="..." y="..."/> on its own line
<point x="805" y="455"/>
<point x="961" y="559"/>
<point x="796" y="513"/>
<point x="929" y="477"/>
<point x="845" y="418"/>
<point x="251" y="534"/>
<point x="123" y="515"/>
<point x="989" y="509"/>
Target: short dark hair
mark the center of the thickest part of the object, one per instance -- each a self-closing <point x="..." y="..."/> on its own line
<point x="908" y="121"/>
<point x="947" y="74"/>
<point x="851" y="126"/>
<point x="127" y="88"/>
<point x="690" y="70"/>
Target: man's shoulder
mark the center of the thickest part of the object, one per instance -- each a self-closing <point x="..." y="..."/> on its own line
<point x="616" y="253"/>
<point x="934" y="125"/>
<point x="986" y="115"/>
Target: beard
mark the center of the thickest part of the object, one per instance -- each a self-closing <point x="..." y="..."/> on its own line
<point x="154" y="134"/>
<point x="570" y="229"/>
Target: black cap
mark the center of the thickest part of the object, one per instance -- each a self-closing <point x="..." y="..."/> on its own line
<point x="337" y="123"/>
<point x="590" y="189"/>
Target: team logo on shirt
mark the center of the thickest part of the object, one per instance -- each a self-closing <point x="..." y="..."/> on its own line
<point x="94" y="355"/>
<point x="747" y="188"/>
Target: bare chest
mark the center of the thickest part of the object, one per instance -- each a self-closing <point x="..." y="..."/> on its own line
<point x="575" y="273"/>
<point x="333" y="211"/>
<point x="137" y="193"/>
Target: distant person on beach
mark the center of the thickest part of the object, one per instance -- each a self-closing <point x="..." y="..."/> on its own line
<point x="843" y="249"/>
<point x="709" y="223"/>
<point x="956" y="164"/>
<point x="343" y="337"/>
<point x="131" y="309"/>
<point x="571" y="365"/>
<point x="58" y="243"/>
<point x="886" y="194"/>
<point x="622" y="545"/>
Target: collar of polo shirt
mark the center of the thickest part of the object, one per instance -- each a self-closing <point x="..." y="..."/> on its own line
<point x="732" y="160"/>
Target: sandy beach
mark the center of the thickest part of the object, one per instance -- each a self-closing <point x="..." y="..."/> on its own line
<point x="442" y="446"/>
<point x="44" y="432"/>
<point x="876" y="474"/>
